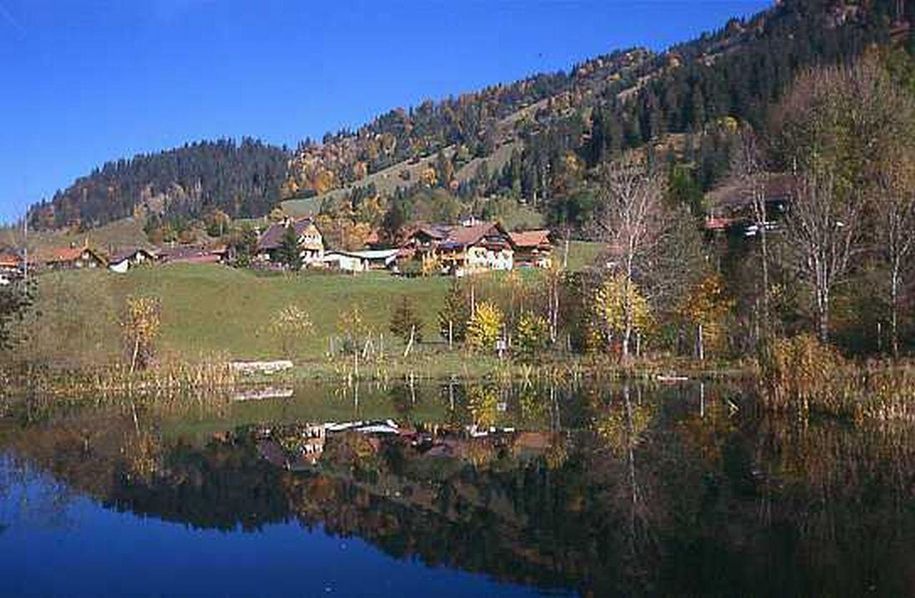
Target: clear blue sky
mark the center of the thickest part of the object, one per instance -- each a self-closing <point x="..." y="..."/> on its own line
<point x="85" y="81"/>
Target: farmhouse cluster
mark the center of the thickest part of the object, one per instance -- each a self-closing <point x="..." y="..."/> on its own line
<point x="460" y="249"/>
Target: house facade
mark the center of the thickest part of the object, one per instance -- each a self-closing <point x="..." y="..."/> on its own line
<point x="11" y="267"/>
<point x="533" y="248"/>
<point x="10" y="263"/>
<point x="360" y="261"/>
<point x="71" y="258"/>
<point x="460" y="250"/>
<point x="308" y="237"/>
<point x="731" y="203"/>
<point x="124" y="260"/>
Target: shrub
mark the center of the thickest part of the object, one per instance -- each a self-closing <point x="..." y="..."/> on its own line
<point x="289" y="325"/>
<point x="532" y="336"/>
<point x="800" y="373"/>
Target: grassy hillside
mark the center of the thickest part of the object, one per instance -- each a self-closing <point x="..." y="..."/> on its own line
<point x="209" y="309"/>
<point x="126" y="232"/>
<point x="213" y="309"/>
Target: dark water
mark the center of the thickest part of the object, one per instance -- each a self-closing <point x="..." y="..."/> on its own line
<point x="591" y="490"/>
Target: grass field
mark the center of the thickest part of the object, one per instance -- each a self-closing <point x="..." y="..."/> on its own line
<point x="581" y="254"/>
<point x="209" y="310"/>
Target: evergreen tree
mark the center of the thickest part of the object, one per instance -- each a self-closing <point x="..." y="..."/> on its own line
<point x="454" y="315"/>
<point x="288" y="250"/>
<point x="405" y="321"/>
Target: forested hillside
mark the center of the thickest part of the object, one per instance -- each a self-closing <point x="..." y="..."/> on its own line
<point x="240" y="179"/>
<point x="533" y="142"/>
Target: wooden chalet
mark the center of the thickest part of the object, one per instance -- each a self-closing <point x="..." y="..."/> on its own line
<point x="11" y="267"/>
<point x="10" y="263"/>
<point x="460" y="250"/>
<point x="125" y="259"/>
<point x="731" y="203"/>
<point x="533" y="248"/>
<point x="71" y="258"/>
<point x="309" y="239"/>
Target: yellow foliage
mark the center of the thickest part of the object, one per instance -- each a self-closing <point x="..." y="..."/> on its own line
<point x="485" y="326"/>
<point x="707" y="304"/>
<point x="290" y="324"/>
<point x="429" y="177"/>
<point x="141" y="326"/>
<point x="324" y="180"/>
<point x="608" y="309"/>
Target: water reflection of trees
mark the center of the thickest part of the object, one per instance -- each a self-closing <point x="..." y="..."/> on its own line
<point x="648" y="491"/>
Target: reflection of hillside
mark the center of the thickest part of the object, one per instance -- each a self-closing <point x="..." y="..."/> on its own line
<point x="661" y="499"/>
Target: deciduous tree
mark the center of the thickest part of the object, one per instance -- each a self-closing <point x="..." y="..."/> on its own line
<point x="631" y="221"/>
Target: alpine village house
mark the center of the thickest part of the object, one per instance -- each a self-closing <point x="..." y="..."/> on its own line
<point x="452" y="249"/>
<point x="308" y="238"/>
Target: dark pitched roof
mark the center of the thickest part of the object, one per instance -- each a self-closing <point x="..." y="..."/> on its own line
<point x="734" y="195"/>
<point x="466" y="236"/>
<point x="125" y="254"/>
<point x="273" y="236"/>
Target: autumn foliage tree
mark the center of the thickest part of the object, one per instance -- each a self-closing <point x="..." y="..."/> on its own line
<point x="617" y="308"/>
<point x="485" y="326"/>
<point x="631" y="221"/>
<point x="705" y="308"/>
<point x="290" y="325"/>
<point x="454" y="315"/>
<point x="532" y="336"/>
<point x="141" y="326"/>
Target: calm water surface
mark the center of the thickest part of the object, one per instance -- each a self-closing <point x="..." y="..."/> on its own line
<point x="476" y="490"/>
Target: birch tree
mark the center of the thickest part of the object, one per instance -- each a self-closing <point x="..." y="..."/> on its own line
<point x="630" y="221"/>
<point x="895" y="219"/>
<point x="748" y="166"/>
<point x="823" y="234"/>
<point x="833" y="126"/>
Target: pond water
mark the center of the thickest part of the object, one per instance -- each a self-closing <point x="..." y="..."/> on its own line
<point x="454" y="490"/>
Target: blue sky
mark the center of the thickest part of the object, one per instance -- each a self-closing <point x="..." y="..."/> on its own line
<point x="82" y="82"/>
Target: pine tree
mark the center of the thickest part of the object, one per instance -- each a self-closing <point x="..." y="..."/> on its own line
<point x="454" y="315"/>
<point x="405" y="322"/>
<point x="288" y="251"/>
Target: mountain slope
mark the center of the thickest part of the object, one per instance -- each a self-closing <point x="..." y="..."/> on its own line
<point x="241" y="179"/>
<point x="522" y="140"/>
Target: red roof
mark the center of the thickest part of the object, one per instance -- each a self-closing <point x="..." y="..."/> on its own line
<point x="465" y="236"/>
<point x="10" y="260"/>
<point x="62" y="255"/>
<point x="531" y="239"/>
<point x="714" y="223"/>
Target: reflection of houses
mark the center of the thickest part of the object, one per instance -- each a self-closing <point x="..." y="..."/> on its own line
<point x="731" y="204"/>
<point x="71" y="258"/>
<point x="293" y="447"/>
<point x="532" y="248"/>
<point x="460" y="250"/>
<point x="308" y="238"/>
<point x="360" y="261"/>
<point x="125" y="259"/>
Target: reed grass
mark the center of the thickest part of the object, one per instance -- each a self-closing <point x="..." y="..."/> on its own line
<point x="802" y="375"/>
